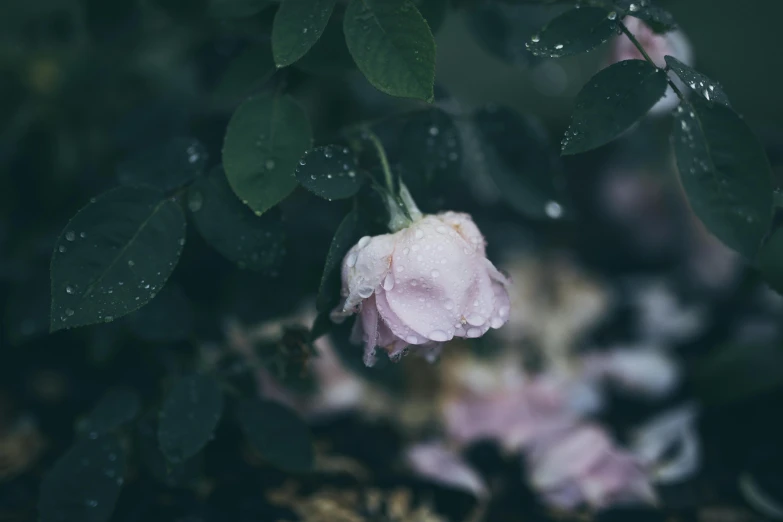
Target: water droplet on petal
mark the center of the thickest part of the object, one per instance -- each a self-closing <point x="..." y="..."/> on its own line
<point x="435" y="274"/>
<point x="412" y="339"/>
<point x="418" y="234"/>
<point x="475" y="320"/>
<point x="474" y="332"/>
<point x="350" y="261"/>
<point x="497" y="322"/>
<point x="363" y="241"/>
<point x="439" y="336"/>
<point x="449" y="304"/>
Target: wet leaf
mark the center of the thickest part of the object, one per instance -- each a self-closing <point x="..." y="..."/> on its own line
<point x="189" y="416"/>
<point x="699" y="83"/>
<point x="251" y="241"/>
<point x="265" y="139"/>
<point x="659" y="19"/>
<point x="329" y="172"/>
<point x="725" y="174"/>
<point x="298" y="25"/>
<point x="83" y="485"/>
<point x="166" y="167"/>
<point x="346" y="236"/>
<point x="612" y="101"/>
<point x="168" y="318"/>
<point x="393" y="46"/>
<point x="277" y="432"/>
<point x="117" y="408"/>
<point x="574" y="32"/>
<point x="114" y="256"/>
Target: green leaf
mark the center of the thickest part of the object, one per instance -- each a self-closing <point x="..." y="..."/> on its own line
<point x="83" y="485"/>
<point x="725" y="174"/>
<point x="114" y="255"/>
<point x="250" y="241"/>
<point x="237" y="8"/>
<point x="698" y="82"/>
<point x="298" y="25"/>
<point x="329" y="172"/>
<point x="612" y="101"/>
<point x="168" y="318"/>
<point x="247" y="72"/>
<point x="392" y="45"/>
<point x="117" y="408"/>
<point x="346" y="236"/>
<point x="521" y="162"/>
<point x="189" y="416"/>
<point x="277" y="432"/>
<point x="735" y="373"/>
<point x="574" y="32"/>
<point x="166" y="167"/>
<point x="429" y="149"/>
<point x="770" y="261"/>
<point x="264" y="141"/>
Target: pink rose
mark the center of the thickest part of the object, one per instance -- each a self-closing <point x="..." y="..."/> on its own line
<point x="422" y="286"/>
<point x="673" y="43"/>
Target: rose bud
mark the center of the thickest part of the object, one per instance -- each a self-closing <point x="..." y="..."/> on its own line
<point x="657" y="46"/>
<point x="422" y="285"/>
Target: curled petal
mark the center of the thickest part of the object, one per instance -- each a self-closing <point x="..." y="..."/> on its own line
<point x="365" y="267"/>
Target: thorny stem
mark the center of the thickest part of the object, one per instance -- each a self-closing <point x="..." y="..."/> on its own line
<point x="641" y="49"/>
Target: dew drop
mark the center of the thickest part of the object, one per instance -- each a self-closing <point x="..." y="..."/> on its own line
<point x="435" y="274"/>
<point x="269" y="164"/>
<point x="328" y="152"/>
<point x="68" y="312"/>
<point x="496" y="322"/>
<point x="61" y="249"/>
<point x="70" y="236"/>
<point x="302" y="162"/>
<point x="399" y="268"/>
<point x="633" y="8"/>
<point x="439" y="336"/>
<point x="612" y="15"/>
<point x="559" y="46"/>
<point x="474" y="332"/>
<point x="434" y="131"/>
<point x="554" y="210"/>
<point x="131" y="262"/>
<point x="350" y="261"/>
<point x="412" y="339"/>
<point x="535" y="38"/>
<point x="475" y="320"/>
<point x="364" y="241"/>
<point x="388" y="282"/>
<point x="418" y="234"/>
<point x="69" y="289"/>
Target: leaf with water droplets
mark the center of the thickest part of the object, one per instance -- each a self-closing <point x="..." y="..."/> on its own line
<point x="117" y="408"/>
<point x="114" y="255"/>
<point x="346" y="236"/>
<point x="166" y="167"/>
<point x="725" y="174"/>
<point x="298" y="25"/>
<point x="612" y="101"/>
<point x="251" y="241"/>
<point x="168" y="318"/>
<point x="520" y="160"/>
<point x="265" y="139"/>
<point x="574" y="32"/>
<point x="189" y="416"/>
<point x="277" y="432"/>
<point x="699" y="83"/>
<point x="330" y="172"/>
<point x="393" y="46"/>
<point x="83" y="485"/>
<point x="237" y="8"/>
<point x="248" y="71"/>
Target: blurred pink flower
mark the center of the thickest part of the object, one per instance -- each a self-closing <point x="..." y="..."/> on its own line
<point x="657" y="46"/>
<point x="435" y="461"/>
<point x="422" y="286"/>
<point x="581" y="465"/>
